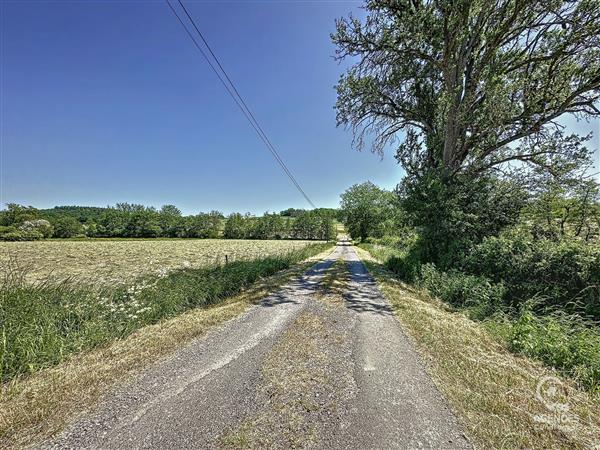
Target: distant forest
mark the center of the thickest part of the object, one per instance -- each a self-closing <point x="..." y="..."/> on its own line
<point x="127" y="220"/>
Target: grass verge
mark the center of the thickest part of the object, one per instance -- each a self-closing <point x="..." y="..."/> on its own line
<point x="562" y="340"/>
<point x="37" y="406"/>
<point x="503" y="400"/>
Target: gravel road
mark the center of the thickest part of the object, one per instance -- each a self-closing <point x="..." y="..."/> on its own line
<point x="303" y="368"/>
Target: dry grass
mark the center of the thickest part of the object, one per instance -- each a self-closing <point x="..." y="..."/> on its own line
<point x="306" y="376"/>
<point x="122" y="261"/>
<point x="39" y="406"/>
<point x="335" y="282"/>
<point x="492" y="391"/>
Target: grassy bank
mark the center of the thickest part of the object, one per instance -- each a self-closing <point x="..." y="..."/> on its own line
<point x="503" y="399"/>
<point x="42" y="324"/>
<point x="563" y="341"/>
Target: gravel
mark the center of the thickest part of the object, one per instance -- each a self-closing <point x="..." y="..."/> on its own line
<point x="299" y="369"/>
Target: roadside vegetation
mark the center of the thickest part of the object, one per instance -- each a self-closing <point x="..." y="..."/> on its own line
<point x="539" y="296"/>
<point x="126" y="220"/>
<point x="498" y="214"/>
<point x="502" y="399"/>
<point x="36" y="406"/>
<point x="45" y="323"/>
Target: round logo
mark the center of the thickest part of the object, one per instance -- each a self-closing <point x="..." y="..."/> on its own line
<point x="551" y="392"/>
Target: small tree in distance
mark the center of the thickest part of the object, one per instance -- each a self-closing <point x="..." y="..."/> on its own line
<point x="364" y="207"/>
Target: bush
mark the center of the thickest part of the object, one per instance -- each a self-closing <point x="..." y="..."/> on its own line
<point x="35" y="227"/>
<point x="559" y="275"/>
<point x="560" y="342"/>
<point x="460" y="290"/>
<point x="9" y="233"/>
<point x="20" y="235"/>
<point x="66" y="227"/>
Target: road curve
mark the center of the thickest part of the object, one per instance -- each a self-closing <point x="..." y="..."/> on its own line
<point x="294" y="370"/>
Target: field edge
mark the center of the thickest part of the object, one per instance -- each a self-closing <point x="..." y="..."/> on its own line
<point x="39" y="406"/>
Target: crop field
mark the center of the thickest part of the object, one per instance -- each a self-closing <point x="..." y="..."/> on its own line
<point x="110" y="262"/>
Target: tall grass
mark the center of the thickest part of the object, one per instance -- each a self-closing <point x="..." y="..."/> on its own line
<point x="566" y="342"/>
<point x="41" y="324"/>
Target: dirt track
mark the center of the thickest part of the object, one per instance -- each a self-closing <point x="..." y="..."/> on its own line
<point x="300" y="369"/>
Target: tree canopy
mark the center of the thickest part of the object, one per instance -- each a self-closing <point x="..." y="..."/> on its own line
<point x="472" y="84"/>
<point x="365" y="208"/>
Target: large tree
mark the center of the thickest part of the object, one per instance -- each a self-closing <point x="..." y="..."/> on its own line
<point x="473" y="85"/>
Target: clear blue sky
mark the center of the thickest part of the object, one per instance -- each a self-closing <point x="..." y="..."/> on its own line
<point x="108" y="101"/>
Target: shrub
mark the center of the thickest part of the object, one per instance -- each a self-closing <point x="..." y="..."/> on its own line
<point x="66" y="227"/>
<point x="560" y="342"/>
<point x="407" y="266"/>
<point x="13" y="236"/>
<point x="461" y="290"/>
<point x="559" y="274"/>
<point x="403" y="259"/>
<point x="21" y="235"/>
<point x="9" y="233"/>
<point x="35" y="227"/>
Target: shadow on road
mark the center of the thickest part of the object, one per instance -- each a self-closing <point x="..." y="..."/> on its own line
<point x="304" y="285"/>
<point x="363" y="296"/>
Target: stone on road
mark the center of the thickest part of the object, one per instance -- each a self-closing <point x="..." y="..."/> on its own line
<point x="297" y="369"/>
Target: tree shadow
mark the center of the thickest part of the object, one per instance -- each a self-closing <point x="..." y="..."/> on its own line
<point x="303" y="285"/>
<point x="363" y="295"/>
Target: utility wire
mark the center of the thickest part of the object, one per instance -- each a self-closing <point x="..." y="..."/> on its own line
<point x="235" y="95"/>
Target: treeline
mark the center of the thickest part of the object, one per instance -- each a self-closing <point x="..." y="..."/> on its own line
<point x="125" y="220"/>
<point x="306" y="225"/>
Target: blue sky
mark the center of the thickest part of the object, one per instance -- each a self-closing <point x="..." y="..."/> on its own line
<point x="108" y="101"/>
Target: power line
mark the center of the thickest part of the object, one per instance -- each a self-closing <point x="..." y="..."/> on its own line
<point x="235" y="95"/>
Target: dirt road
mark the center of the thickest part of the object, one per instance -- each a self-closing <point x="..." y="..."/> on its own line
<point x="303" y="368"/>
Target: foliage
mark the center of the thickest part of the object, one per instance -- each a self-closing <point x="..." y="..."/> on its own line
<point x="138" y="221"/>
<point x="477" y="293"/>
<point x="291" y="212"/>
<point x="305" y="225"/>
<point x="17" y="214"/>
<point x="452" y="217"/>
<point x="204" y="225"/>
<point x="367" y="210"/>
<point x="561" y="275"/>
<point x="42" y="324"/>
<point x="565" y="209"/>
<point x="66" y="227"/>
<point x="35" y="227"/>
<point x="236" y="227"/>
<point x="270" y="226"/>
<point x="473" y="85"/>
<point x="82" y="214"/>
<point x="561" y="342"/>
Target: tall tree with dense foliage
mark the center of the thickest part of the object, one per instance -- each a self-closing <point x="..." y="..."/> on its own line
<point x="475" y="88"/>
<point x="472" y="84"/>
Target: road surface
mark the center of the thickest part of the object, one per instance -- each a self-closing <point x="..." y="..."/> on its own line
<point x="302" y="369"/>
